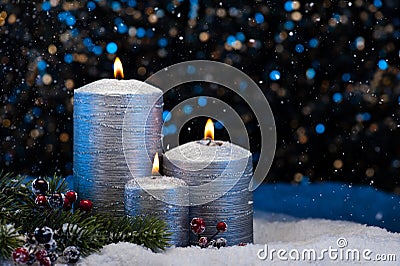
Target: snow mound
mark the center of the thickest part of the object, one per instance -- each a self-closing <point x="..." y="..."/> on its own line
<point x="278" y="232"/>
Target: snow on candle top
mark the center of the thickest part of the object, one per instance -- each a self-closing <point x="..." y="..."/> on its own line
<point x="156" y="183"/>
<point x="198" y="151"/>
<point x="114" y="86"/>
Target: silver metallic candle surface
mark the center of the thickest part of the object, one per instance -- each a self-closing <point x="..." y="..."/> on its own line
<point x="100" y="168"/>
<point x="218" y="186"/>
<point x="142" y="200"/>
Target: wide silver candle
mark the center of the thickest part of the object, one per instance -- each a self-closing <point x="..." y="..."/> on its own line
<point x="141" y="199"/>
<point x="100" y="168"/>
<point x="218" y="174"/>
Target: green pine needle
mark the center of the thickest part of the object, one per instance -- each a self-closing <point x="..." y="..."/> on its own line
<point x="9" y="240"/>
<point x="19" y="215"/>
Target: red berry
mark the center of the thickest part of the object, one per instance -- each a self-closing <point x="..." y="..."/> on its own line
<point x="41" y="254"/>
<point x="197" y="225"/>
<point x="221" y="227"/>
<point x="20" y="255"/>
<point x="203" y="241"/>
<point x="85" y="205"/>
<point x="41" y="200"/>
<point x="45" y="261"/>
<point x="67" y="205"/>
<point x="241" y="244"/>
<point x="71" y="196"/>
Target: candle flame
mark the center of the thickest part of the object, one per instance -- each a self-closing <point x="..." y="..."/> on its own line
<point x="118" y="70"/>
<point x="209" y="130"/>
<point x="156" y="165"/>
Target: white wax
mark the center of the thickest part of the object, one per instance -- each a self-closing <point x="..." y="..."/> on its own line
<point x="157" y="182"/>
<point x="115" y="86"/>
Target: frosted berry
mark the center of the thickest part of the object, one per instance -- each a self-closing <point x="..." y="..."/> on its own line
<point x="221" y="227"/>
<point x="67" y="205"/>
<point x="40" y="186"/>
<point x="50" y="246"/>
<point x="197" y="225"/>
<point x="85" y="205"/>
<point x="71" y="254"/>
<point x="45" y="261"/>
<point x="71" y="196"/>
<point x="203" y="241"/>
<point x="41" y="254"/>
<point x="53" y="257"/>
<point x="43" y="235"/>
<point x="41" y="200"/>
<point x="220" y="242"/>
<point x="20" y="255"/>
<point x="56" y="200"/>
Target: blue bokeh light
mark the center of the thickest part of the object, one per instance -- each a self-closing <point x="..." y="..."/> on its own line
<point x="274" y="75"/>
<point x="346" y="77"/>
<point x="91" y="6"/>
<point x="132" y="3"/>
<point x="289" y="25"/>
<point x="87" y="42"/>
<point x="112" y="47"/>
<point x="187" y="109"/>
<point x="378" y="3"/>
<point x="116" y="6"/>
<point x="163" y="42"/>
<point x="166" y="116"/>
<point x="310" y="73"/>
<point x="337" y="97"/>
<point x="46" y="6"/>
<point x="122" y="28"/>
<point x="313" y="43"/>
<point x="68" y="58"/>
<point x="97" y="50"/>
<point x="218" y="125"/>
<point x="243" y="85"/>
<point x="202" y="101"/>
<point x="320" y="128"/>
<point x="240" y="36"/>
<point x="140" y="32"/>
<point x="299" y="48"/>
<point x="288" y="6"/>
<point x="70" y="20"/>
<point x="168" y="130"/>
<point x="41" y="65"/>
<point x="231" y="40"/>
<point x="190" y="69"/>
<point x="259" y="18"/>
<point x="382" y="64"/>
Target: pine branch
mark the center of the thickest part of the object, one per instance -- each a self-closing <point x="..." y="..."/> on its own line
<point x="87" y="231"/>
<point x="147" y="231"/>
<point x="9" y="240"/>
<point x="57" y="184"/>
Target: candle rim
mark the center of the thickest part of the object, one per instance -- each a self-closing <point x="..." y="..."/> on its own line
<point x="130" y="86"/>
<point x="239" y="152"/>
<point x="149" y="182"/>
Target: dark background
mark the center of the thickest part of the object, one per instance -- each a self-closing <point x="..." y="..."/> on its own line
<point x="50" y="48"/>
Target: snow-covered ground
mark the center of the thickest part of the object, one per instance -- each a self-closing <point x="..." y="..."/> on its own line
<point x="302" y="237"/>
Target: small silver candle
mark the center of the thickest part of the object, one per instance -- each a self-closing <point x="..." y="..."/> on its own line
<point x="142" y="198"/>
<point x="100" y="168"/>
<point x="218" y="174"/>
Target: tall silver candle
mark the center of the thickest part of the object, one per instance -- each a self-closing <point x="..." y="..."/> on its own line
<point x="227" y="199"/>
<point x="100" y="168"/>
<point x="141" y="199"/>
